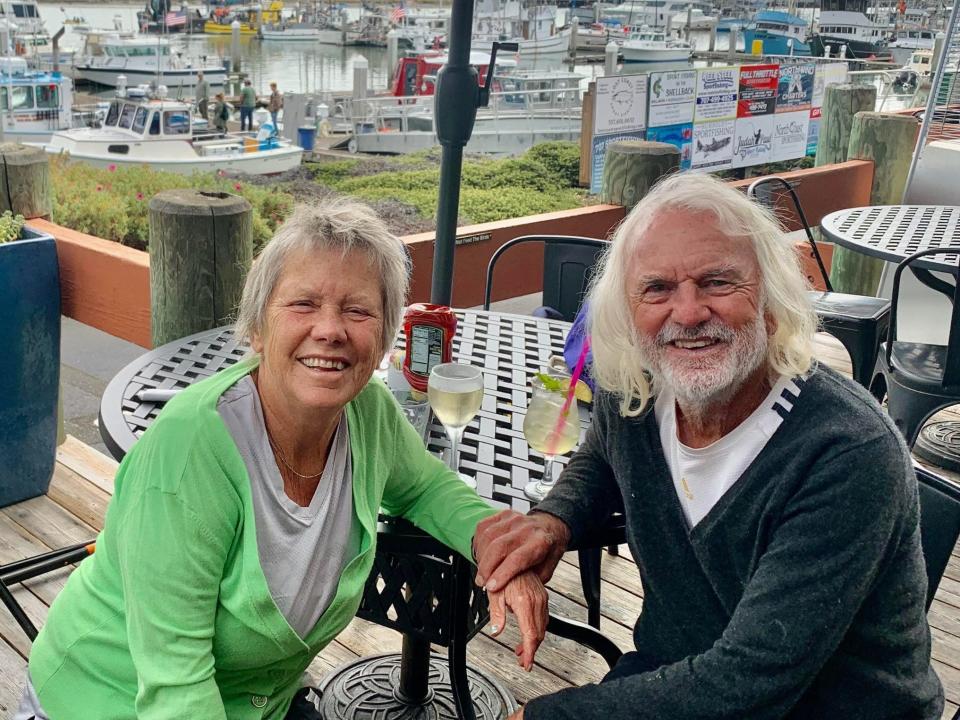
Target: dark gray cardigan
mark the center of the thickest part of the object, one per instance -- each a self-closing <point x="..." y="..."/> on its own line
<point x="801" y="593"/>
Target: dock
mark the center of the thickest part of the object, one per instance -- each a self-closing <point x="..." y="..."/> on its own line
<point x="73" y="511"/>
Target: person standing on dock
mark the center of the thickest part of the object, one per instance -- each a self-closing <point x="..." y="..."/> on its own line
<point x="202" y="95"/>
<point x="276" y="102"/>
<point x="221" y="113"/>
<point x="248" y="101"/>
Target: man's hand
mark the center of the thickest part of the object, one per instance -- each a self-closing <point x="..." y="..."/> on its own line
<point x="518" y="715"/>
<point x="526" y="596"/>
<point x="509" y="543"/>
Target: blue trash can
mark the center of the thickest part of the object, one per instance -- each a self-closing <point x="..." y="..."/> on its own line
<point x="29" y="365"/>
<point x="307" y="135"/>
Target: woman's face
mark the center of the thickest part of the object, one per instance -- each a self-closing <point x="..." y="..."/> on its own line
<point x="322" y="332"/>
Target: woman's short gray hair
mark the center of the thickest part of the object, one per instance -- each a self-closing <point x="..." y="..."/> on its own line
<point x="338" y="224"/>
<point x="617" y="364"/>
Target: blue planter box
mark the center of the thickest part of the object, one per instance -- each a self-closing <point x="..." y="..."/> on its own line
<point x="29" y="365"/>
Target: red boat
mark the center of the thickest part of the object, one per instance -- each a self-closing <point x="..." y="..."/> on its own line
<point x="418" y="75"/>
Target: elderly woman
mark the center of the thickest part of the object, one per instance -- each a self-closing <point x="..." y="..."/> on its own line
<point x="243" y="525"/>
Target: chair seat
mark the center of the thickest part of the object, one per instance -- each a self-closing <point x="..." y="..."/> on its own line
<point x="919" y="366"/>
<point x="848" y="307"/>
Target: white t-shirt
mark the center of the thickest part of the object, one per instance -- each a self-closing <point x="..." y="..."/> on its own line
<point x="702" y="475"/>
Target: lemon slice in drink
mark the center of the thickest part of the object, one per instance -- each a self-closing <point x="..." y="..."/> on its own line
<point x="582" y="392"/>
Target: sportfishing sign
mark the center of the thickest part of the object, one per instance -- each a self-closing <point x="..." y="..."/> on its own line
<point x="716" y="94"/>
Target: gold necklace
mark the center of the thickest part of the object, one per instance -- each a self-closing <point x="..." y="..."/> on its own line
<point x="276" y="449"/>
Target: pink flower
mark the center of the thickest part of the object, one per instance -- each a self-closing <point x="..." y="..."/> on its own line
<point x="139" y="196"/>
<point x="237" y="186"/>
<point x="111" y="167"/>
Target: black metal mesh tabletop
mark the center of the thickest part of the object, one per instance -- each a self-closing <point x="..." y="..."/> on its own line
<point x="894" y="232"/>
<point x="509" y="349"/>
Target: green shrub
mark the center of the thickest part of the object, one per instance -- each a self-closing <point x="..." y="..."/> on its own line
<point x="112" y="202"/>
<point x="561" y="158"/>
<point x="10" y="226"/>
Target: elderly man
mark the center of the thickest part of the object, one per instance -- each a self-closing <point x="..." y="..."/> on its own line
<point x="770" y="504"/>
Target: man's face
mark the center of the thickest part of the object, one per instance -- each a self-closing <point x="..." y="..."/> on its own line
<point x="694" y="295"/>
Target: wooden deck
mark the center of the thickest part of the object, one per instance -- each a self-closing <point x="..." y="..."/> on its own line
<point x="73" y="511"/>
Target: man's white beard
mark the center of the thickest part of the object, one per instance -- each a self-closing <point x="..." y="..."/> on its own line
<point x="699" y="383"/>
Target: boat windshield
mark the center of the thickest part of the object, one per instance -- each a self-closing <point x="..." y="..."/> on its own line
<point x="176" y="122"/>
<point x="22" y="97"/>
<point x="126" y="116"/>
<point x="140" y="120"/>
<point x="48" y="96"/>
<point x="112" y="114"/>
<point x="22" y="11"/>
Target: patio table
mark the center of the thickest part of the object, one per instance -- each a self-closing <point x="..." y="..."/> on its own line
<point x="417" y="586"/>
<point x="893" y="233"/>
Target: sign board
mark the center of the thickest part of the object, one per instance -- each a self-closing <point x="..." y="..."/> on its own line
<point x="753" y="140"/>
<point x="712" y="145"/>
<point x="790" y="135"/>
<point x="672" y="98"/>
<point x="680" y="135"/>
<point x="620" y="104"/>
<point x="795" y="87"/>
<point x="758" y="90"/>
<point x="716" y="94"/>
<point x="599" y="155"/>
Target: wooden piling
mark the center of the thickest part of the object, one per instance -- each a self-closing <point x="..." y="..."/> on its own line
<point x="632" y="167"/>
<point x="888" y="140"/>
<point x="201" y="247"/>
<point x="840" y="104"/>
<point x="25" y="181"/>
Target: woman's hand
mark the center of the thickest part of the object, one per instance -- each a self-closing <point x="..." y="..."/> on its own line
<point x="527" y="598"/>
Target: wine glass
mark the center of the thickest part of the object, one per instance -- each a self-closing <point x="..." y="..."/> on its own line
<point x="548" y="429"/>
<point x="455" y="392"/>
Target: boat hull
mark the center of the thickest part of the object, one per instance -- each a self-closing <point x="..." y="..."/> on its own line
<point x="215" y="28"/>
<point x="774" y="44"/>
<point x="557" y="44"/>
<point x="324" y="36"/>
<point x="855" y="48"/>
<point x="652" y="55"/>
<point x="181" y="77"/>
<point x="266" y="162"/>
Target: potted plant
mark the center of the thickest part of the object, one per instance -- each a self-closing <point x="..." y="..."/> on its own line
<point x="29" y="359"/>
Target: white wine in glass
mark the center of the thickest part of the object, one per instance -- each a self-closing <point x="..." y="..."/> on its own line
<point x="547" y="431"/>
<point x="455" y="392"/>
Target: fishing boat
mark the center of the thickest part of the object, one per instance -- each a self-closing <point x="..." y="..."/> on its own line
<point x="593" y="38"/>
<point x="529" y="23"/>
<point x="907" y="40"/>
<point x="779" y="33"/>
<point x="526" y="108"/>
<point x="843" y="28"/>
<point x="417" y="75"/>
<point x="159" y="133"/>
<point x="698" y="20"/>
<point x="140" y="59"/>
<point x="250" y="17"/>
<point x="653" y="13"/>
<point x="653" y="46"/>
<point x="34" y="104"/>
<point x="24" y="15"/>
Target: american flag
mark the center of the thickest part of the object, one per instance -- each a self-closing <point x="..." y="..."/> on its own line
<point x="398" y="14"/>
<point x="173" y="19"/>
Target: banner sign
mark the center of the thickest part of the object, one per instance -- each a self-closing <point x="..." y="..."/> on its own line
<point x="795" y="89"/>
<point x="717" y="94"/>
<point x="758" y="90"/>
<point x="680" y="135"/>
<point x="790" y="135"/>
<point x="753" y="140"/>
<point x="712" y="145"/>
<point x="672" y="98"/>
<point x="620" y="105"/>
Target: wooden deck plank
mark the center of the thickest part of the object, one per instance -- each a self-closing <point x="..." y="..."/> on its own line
<point x="11" y="679"/>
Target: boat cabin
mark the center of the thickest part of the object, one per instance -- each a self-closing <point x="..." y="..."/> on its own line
<point x="114" y="45"/>
<point x="32" y="103"/>
<point x="780" y="23"/>
<point x="153" y="119"/>
<point x="418" y="75"/>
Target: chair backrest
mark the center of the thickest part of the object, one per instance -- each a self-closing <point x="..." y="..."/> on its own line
<point x="568" y="265"/>
<point x="939" y="525"/>
<point x="951" y="369"/>
<point x="761" y="190"/>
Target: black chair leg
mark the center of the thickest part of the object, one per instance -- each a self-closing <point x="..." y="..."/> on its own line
<point x="613" y="550"/>
<point x="590" y="580"/>
<point x="459" y="683"/>
<point x="862" y="346"/>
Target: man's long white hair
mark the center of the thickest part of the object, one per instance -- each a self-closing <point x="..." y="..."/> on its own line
<point x="617" y="363"/>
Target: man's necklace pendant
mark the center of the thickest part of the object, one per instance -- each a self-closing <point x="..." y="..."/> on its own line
<point x="686" y="488"/>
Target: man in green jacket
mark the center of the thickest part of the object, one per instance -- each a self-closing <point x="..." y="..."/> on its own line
<point x="248" y="101"/>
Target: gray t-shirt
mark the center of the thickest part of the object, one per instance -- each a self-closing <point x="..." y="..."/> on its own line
<point x="303" y="550"/>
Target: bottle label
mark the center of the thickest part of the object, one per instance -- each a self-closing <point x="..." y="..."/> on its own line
<point x="426" y="348"/>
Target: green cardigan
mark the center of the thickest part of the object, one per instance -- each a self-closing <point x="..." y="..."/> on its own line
<point x="172" y="617"/>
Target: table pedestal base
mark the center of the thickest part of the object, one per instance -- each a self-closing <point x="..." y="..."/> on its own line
<point x="939" y="443"/>
<point x="369" y="689"/>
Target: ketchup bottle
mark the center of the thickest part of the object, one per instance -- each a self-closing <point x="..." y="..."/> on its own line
<point x="429" y="331"/>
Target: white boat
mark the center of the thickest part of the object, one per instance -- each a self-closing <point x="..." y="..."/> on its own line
<point x="141" y="59"/>
<point x="34" y="104"/>
<point x="593" y="38"/>
<point x="159" y="133"/>
<point x="25" y="16"/>
<point x="528" y="23"/>
<point x="699" y="20"/>
<point x="526" y="108"/>
<point x="653" y="13"/>
<point x="303" y="32"/>
<point x="421" y="28"/>
<point x="906" y="40"/>
<point x="653" y="46"/>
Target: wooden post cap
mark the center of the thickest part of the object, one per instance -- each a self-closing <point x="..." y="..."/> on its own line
<point x="201" y="247"/>
<point x="25" y="181"/>
<point x="632" y="167"/>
